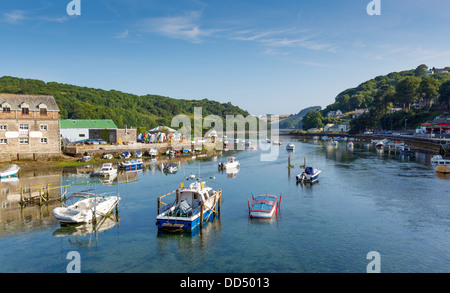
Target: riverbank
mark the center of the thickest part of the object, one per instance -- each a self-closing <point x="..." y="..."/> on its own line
<point x="426" y="144"/>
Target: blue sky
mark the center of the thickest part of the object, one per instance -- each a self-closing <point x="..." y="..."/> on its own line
<point x="262" y="55"/>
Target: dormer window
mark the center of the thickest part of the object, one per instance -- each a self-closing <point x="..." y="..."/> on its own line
<point x="43" y="109"/>
<point x="6" y="108"/>
<point x="25" y="108"/>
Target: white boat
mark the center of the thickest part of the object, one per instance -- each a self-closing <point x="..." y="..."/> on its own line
<point x="138" y="154"/>
<point x="192" y="207"/>
<point x="443" y="166"/>
<point x="84" y="211"/>
<point x="324" y="137"/>
<point x="9" y="171"/>
<point x="153" y="152"/>
<point x="350" y="144"/>
<point x="436" y="158"/>
<point x="108" y="156"/>
<point x="334" y="142"/>
<point x="230" y="163"/>
<point x="290" y="147"/>
<point x="85" y="159"/>
<point x="277" y="142"/>
<point x="379" y="145"/>
<point x="315" y="137"/>
<point x="107" y="170"/>
<point x="310" y="175"/>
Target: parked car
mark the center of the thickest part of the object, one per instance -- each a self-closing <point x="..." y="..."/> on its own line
<point x="99" y="141"/>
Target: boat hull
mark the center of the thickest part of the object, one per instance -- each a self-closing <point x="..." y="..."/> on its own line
<point x="443" y="166"/>
<point x="181" y="223"/>
<point x="263" y="207"/>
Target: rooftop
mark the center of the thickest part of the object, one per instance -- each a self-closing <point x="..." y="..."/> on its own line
<point x="90" y="124"/>
<point x="33" y="102"/>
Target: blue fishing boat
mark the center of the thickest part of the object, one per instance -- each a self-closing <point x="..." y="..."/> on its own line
<point x="130" y="165"/>
<point x="193" y="206"/>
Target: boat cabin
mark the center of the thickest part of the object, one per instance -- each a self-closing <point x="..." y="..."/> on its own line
<point x="195" y="194"/>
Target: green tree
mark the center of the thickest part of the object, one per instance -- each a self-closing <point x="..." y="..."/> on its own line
<point x="312" y="120"/>
<point x="428" y="90"/>
<point x="444" y="92"/>
<point x="421" y="71"/>
<point x="407" y="90"/>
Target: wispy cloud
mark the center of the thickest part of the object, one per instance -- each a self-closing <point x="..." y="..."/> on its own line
<point x="17" y="17"/>
<point x="185" y="27"/>
<point x="284" y="38"/>
<point x="13" y="17"/>
<point x="122" y="35"/>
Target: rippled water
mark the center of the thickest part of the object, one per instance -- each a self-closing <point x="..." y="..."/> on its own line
<point x="365" y="200"/>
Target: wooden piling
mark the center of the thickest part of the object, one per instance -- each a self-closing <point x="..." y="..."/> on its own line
<point x="201" y="215"/>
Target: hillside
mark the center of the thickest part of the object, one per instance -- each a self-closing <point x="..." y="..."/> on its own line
<point x="146" y="111"/>
<point x="295" y="121"/>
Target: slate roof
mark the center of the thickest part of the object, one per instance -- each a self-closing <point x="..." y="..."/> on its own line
<point x="33" y="101"/>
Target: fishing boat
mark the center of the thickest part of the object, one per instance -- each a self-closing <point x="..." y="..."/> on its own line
<point x="84" y="210"/>
<point x="107" y="170"/>
<point x="406" y="151"/>
<point x="310" y="175"/>
<point x="130" y="165"/>
<point x="153" y="152"/>
<point x="264" y="206"/>
<point x="443" y="166"/>
<point x="193" y="205"/>
<point x="170" y="168"/>
<point x="138" y="154"/>
<point x="9" y="171"/>
<point x="290" y="147"/>
<point x="435" y="159"/>
<point x="125" y="155"/>
<point x="230" y="163"/>
<point x="379" y="145"/>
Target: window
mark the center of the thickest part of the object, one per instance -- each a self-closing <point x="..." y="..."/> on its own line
<point x="82" y="135"/>
<point x="3" y="127"/>
<point x="23" y="128"/>
<point x="6" y="110"/>
<point x="43" y="127"/>
<point x="43" y="140"/>
<point x="25" y="111"/>
<point x="3" y="141"/>
<point x="43" y="111"/>
<point x="23" y="141"/>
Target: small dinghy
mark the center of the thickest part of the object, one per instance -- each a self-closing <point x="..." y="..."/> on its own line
<point x="264" y="206"/>
<point x="9" y="171"/>
<point x="170" y="168"/>
<point x="84" y="210"/>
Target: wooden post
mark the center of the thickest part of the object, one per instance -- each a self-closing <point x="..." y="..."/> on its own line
<point x="220" y="201"/>
<point x="22" y="202"/>
<point x="201" y="215"/>
<point x="159" y="205"/>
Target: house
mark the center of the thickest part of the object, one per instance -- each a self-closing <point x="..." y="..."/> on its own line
<point x="437" y="70"/>
<point x="29" y="127"/>
<point x="343" y="127"/>
<point x="359" y="112"/>
<point x="335" y="114"/>
<point x="327" y="127"/>
<point x="75" y="130"/>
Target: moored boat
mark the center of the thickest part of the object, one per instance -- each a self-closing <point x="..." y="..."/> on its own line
<point x="171" y="168"/>
<point x="443" y="166"/>
<point x="153" y="152"/>
<point x="9" y="171"/>
<point x="193" y="206"/>
<point x="108" y="156"/>
<point x="84" y="210"/>
<point x="107" y="170"/>
<point x="290" y="147"/>
<point x="264" y="206"/>
<point x="436" y="158"/>
<point x="125" y="155"/>
<point x="230" y="163"/>
<point x="310" y="175"/>
<point x="138" y="154"/>
<point x="130" y="165"/>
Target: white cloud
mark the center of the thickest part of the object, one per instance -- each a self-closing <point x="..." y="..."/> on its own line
<point x="13" y="17"/>
<point x="122" y="35"/>
<point x="183" y="27"/>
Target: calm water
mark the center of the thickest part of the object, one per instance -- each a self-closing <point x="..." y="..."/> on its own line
<point x="365" y="201"/>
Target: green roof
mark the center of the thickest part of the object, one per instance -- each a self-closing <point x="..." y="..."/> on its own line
<point x="91" y="124"/>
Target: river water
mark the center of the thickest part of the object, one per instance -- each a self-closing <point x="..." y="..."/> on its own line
<point x="366" y="200"/>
